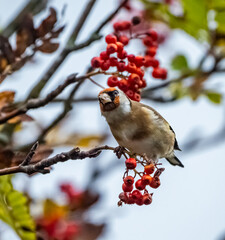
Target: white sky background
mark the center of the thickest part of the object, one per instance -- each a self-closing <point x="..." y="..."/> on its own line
<point x="190" y="202"/>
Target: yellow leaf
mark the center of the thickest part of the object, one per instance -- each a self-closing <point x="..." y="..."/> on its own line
<point x="53" y="211"/>
<point x="6" y="97"/>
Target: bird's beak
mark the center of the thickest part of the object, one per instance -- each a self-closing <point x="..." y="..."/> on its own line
<point x="104" y="98"/>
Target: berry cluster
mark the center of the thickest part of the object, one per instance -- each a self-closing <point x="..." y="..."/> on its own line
<point x="130" y="68"/>
<point x="150" y="177"/>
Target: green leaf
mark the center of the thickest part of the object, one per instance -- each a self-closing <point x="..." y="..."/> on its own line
<point x="214" y="97"/>
<point x="14" y="210"/>
<point x="179" y="62"/>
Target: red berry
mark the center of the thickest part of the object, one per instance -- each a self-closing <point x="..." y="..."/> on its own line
<point x="140" y="185"/>
<point x="130" y="199"/>
<point x="110" y="38"/>
<point x="131" y="163"/>
<point x="123" y="85"/>
<point x="159" y="73"/>
<point x="137" y="97"/>
<point x="123" y="197"/>
<point x="139" y="201"/>
<point x="122" y="54"/>
<point x="121" y="66"/>
<point x="139" y="61"/>
<point x="133" y="78"/>
<point x="124" y="39"/>
<point x="119" y="46"/>
<point x="127" y="188"/>
<point x="111" y="48"/>
<point x="96" y="62"/>
<point x="129" y="180"/>
<point x="131" y="67"/>
<point x="113" y="61"/>
<point x="147" y="41"/>
<point x="151" y="51"/>
<point x="147" y="179"/>
<point x="104" y="55"/>
<point x="136" y="194"/>
<point x="153" y="34"/>
<point x="149" y="169"/>
<point x="130" y="93"/>
<point x="105" y="65"/>
<point x="155" y="183"/>
<point x="143" y="83"/>
<point x="117" y="26"/>
<point x="131" y="58"/>
<point x="126" y="25"/>
<point x="147" y="199"/>
<point x="112" y="81"/>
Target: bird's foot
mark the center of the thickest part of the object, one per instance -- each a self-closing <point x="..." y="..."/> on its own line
<point x="119" y="151"/>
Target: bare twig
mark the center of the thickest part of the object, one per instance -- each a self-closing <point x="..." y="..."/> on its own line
<point x="71" y="45"/>
<point x="43" y="165"/>
<point x="36" y="103"/>
<point x="30" y="155"/>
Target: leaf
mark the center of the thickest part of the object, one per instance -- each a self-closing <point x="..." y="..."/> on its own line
<point x="6" y="98"/>
<point x="14" y="210"/>
<point x="48" y="47"/>
<point x="6" y="50"/>
<point x="214" y="97"/>
<point x="47" y="24"/>
<point x="53" y="211"/>
<point x="179" y="62"/>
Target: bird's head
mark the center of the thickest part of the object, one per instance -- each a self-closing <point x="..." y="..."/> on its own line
<point x="111" y="99"/>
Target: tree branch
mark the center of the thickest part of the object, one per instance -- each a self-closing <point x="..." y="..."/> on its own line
<point x="43" y="165"/>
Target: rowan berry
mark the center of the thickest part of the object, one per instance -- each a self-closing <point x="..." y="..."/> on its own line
<point x="112" y="81"/>
<point x="147" y="179"/>
<point x="110" y="38"/>
<point x="123" y="197"/>
<point x="119" y="46"/>
<point x="139" y="201"/>
<point x="149" y="169"/>
<point x="127" y="188"/>
<point x="123" y="85"/>
<point x="147" y="41"/>
<point x="137" y="97"/>
<point x="121" y="66"/>
<point x="124" y="39"/>
<point x="96" y="62"/>
<point x="155" y="183"/>
<point x="122" y="54"/>
<point x="151" y="51"/>
<point x="136" y="194"/>
<point x="111" y="48"/>
<point x="129" y="180"/>
<point x="140" y="185"/>
<point x="139" y="61"/>
<point x="130" y="93"/>
<point x="159" y="73"/>
<point x="147" y="199"/>
<point x="153" y="34"/>
<point x="105" y="65"/>
<point x="113" y="61"/>
<point x="131" y="67"/>
<point x="131" y="163"/>
<point x="131" y="58"/>
<point x="104" y="55"/>
<point x="133" y="78"/>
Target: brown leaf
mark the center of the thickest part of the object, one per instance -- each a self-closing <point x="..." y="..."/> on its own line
<point x="47" y="24"/>
<point x="6" y="98"/>
<point x="48" y="47"/>
<point x="6" y="50"/>
<point x="3" y="63"/>
<point x="25" y="35"/>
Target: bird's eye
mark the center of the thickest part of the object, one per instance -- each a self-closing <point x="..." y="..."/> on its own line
<point x="115" y="92"/>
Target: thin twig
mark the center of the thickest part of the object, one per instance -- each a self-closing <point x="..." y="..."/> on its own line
<point x="43" y="165"/>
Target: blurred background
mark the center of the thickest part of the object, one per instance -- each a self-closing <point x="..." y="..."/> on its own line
<point x="190" y="202"/>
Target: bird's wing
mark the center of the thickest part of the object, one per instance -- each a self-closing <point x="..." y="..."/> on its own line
<point x="176" y="146"/>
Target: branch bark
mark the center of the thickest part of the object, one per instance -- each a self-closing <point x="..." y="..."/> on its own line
<point x="44" y="165"/>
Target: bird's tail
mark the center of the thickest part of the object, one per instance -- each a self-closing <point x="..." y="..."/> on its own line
<point x="174" y="161"/>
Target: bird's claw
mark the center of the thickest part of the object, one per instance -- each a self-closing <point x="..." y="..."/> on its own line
<point x="119" y="151"/>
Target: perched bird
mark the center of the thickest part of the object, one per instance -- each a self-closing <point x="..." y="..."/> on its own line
<point x="138" y="127"/>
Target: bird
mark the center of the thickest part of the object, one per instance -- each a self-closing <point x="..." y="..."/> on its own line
<point x="138" y="127"/>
